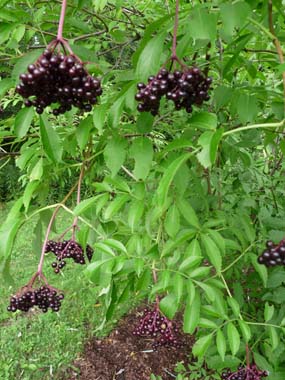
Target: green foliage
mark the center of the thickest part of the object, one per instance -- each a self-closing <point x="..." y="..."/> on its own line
<point x="193" y="198"/>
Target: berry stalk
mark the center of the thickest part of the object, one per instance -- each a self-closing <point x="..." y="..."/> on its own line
<point x="61" y="20"/>
<point x="175" y="29"/>
<point x="78" y="198"/>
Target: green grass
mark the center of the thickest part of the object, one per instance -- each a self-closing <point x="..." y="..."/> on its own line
<point x="37" y="346"/>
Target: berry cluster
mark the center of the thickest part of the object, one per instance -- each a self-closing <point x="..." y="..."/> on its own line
<point x="184" y="88"/>
<point x="44" y="297"/>
<point x="67" y="249"/>
<point x="244" y="373"/>
<point x="154" y="325"/>
<point x="61" y="79"/>
<point x="273" y="255"/>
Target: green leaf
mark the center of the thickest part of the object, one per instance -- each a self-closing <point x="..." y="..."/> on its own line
<point x="234" y="305"/>
<point x="260" y="269"/>
<point x="86" y="204"/>
<point x="99" y="116"/>
<point x="207" y="324"/>
<point x="191" y="291"/>
<point x="149" y="60"/>
<point x="9" y="229"/>
<point x="204" y="120"/>
<point x="116" y="244"/>
<point x="144" y="122"/>
<point x="135" y="214"/>
<point x="247" y="107"/>
<point x="115" y="154"/>
<point x="104" y="248"/>
<point x="169" y="305"/>
<point x="92" y="268"/>
<point x="83" y="131"/>
<point x="245" y="330"/>
<point x="268" y="312"/>
<point x="274" y="338"/>
<point x="209" y="142"/>
<point x="191" y="314"/>
<point x="213" y="252"/>
<point x="200" y="272"/>
<point x="23" y="121"/>
<point x="233" y="16"/>
<point x="50" y="140"/>
<point x="115" y="206"/>
<point x="276" y="278"/>
<point x="168" y="176"/>
<point x="221" y="344"/>
<point x="188" y="212"/>
<point x="172" y="221"/>
<point x="37" y="171"/>
<point x="23" y="62"/>
<point x="5" y="85"/>
<point x="178" y="286"/>
<point x="28" y="193"/>
<point x="209" y="290"/>
<point x="201" y="345"/>
<point x="18" y="33"/>
<point x="142" y="152"/>
<point x="190" y="262"/>
<point x="233" y="337"/>
<point x="203" y="24"/>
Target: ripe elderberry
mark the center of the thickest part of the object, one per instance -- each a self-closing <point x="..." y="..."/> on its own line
<point x="244" y="373"/>
<point x="185" y="88"/>
<point x="154" y="325"/>
<point x="44" y="298"/>
<point x="273" y="255"/>
<point x="60" y="79"/>
<point x="67" y="249"/>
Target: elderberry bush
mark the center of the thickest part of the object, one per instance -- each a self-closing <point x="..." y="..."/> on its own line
<point x="154" y="325"/>
<point x="273" y="255"/>
<point x="44" y="298"/>
<point x="185" y="88"/>
<point x="60" y="79"/>
<point x="244" y="373"/>
<point x="67" y="249"/>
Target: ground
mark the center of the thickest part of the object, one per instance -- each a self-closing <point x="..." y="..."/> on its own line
<point x="123" y="356"/>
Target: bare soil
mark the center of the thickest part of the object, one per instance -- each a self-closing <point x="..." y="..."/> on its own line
<point x="123" y="356"/>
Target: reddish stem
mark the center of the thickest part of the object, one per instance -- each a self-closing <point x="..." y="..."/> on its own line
<point x="247" y="350"/>
<point x="61" y="20"/>
<point x="154" y="276"/>
<point x="175" y="29"/>
<point x="41" y="262"/>
<point x="40" y="267"/>
<point x="75" y="220"/>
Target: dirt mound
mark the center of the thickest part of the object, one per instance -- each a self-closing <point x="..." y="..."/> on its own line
<point x="123" y="356"/>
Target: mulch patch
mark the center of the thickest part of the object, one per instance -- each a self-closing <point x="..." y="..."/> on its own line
<point x="123" y="356"/>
